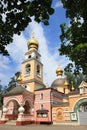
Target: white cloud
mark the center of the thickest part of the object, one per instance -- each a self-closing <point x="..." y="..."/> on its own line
<point x="4" y="62"/>
<point x="58" y="4"/>
<point x="4" y="68"/>
<point x="16" y="51"/>
<point x="18" y="48"/>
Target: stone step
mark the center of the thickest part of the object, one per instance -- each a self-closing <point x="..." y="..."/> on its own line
<point x="11" y="122"/>
<point x="66" y="123"/>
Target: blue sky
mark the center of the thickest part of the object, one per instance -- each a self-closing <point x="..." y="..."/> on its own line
<point x="48" y="37"/>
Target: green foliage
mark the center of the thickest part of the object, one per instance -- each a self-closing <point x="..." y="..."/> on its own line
<point x="11" y="84"/>
<point x="1" y="96"/>
<point x="74" y="37"/>
<point x="73" y="79"/>
<point x="15" y="15"/>
<point x="13" y="81"/>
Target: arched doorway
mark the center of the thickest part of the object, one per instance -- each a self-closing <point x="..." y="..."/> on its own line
<point x="12" y="109"/>
<point x="82" y="113"/>
<point x="27" y="107"/>
<point x="81" y="110"/>
<point x="83" y="107"/>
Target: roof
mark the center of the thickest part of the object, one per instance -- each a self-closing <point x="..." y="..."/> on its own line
<point x="42" y="111"/>
<point x="61" y="104"/>
<point x="17" y="91"/>
<point x="58" y="83"/>
<point x="83" y="84"/>
<point x="73" y="92"/>
<point x="42" y="89"/>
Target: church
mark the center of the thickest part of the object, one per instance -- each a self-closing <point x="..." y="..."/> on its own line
<point x="31" y="101"/>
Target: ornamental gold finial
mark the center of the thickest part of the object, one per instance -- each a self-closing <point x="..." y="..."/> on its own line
<point x="72" y="88"/>
<point x="59" y="70"/>
<point x="19" y="79"/>
<point x="47" y="85"/>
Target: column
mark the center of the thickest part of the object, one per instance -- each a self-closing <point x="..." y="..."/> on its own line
<point x="21" y="113"/>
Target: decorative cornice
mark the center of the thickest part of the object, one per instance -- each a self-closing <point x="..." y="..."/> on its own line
<point x="26" y="60"/>
<point x="33" y="80"/>
<point x="29" y="52"/>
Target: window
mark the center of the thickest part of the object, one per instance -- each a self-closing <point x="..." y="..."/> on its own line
<point x="41" y="96"/>
<point x="82" y="90"/>
<point x="36" y="57"/>
<point x="41" y="106"/>
<point x="25" y="86"/>
<point x="27" y="69"/>
<point x="42" y="115"/>
<point x="38" y="70"/>
<point x="29" y="56"/>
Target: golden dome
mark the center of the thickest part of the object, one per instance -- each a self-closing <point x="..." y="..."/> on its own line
<point x="66" y="84"/>
<point x="33" y="43"/>
<point x="19" y="79"/>
<point x="72" y="88"/>
<point x="59" y="71"/>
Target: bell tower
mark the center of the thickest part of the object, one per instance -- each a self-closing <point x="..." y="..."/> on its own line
<point x="32" y="68"/>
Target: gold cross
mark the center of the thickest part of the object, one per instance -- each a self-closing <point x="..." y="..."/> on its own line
<point x="33" y="34"/>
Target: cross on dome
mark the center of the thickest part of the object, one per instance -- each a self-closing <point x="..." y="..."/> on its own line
<point x="33" y="34"/>
<point x="33" y="44"/>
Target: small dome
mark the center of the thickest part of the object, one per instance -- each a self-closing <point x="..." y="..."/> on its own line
<point x="66" y="84"/>
<point x="33" y="43"/>
<point x="19" y="79"/>
<point x="59" y="71"/>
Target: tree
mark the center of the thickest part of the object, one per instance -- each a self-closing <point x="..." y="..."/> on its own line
<point x="74" y="37"/>
<point x="13" y="82"/>
<point x="15" y="15"/>
<point x="73" y="79"/>
<point x="1" y="95"/>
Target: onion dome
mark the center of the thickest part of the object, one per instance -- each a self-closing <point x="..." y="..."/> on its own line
<point x="59" y="71"/>
<point x="59" y="82"/>
<point x="72" y="88"/>
<point x="66" y="84"/>
<point x="19" y="79"/>
<point x="33" y="44"/>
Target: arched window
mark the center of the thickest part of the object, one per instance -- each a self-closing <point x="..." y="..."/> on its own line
<point x="36" y="57"/>
<point x="27" y="69"/>
<point x="29" y="56"/>
<point x="38" y="70"/>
